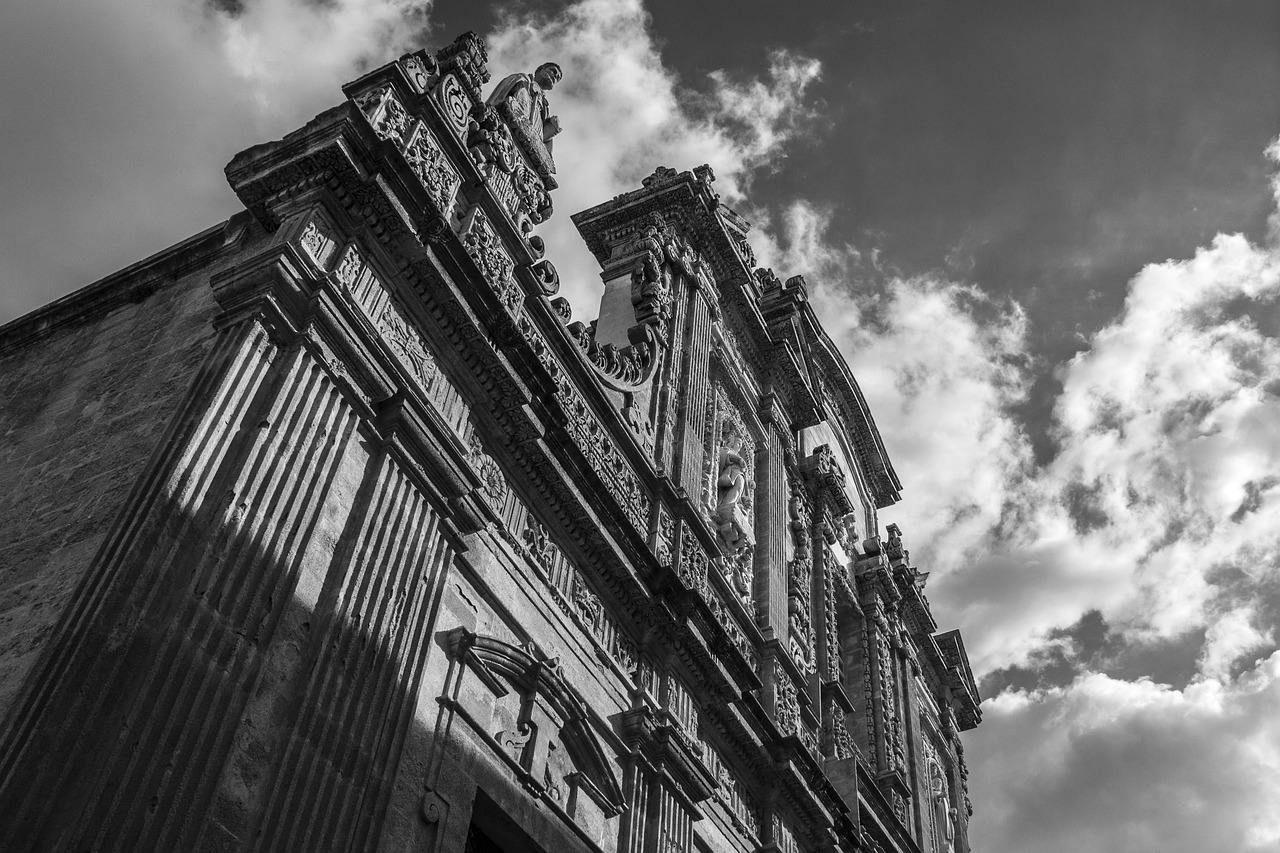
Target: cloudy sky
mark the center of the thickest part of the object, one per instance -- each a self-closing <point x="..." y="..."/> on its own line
<point x="1044" y="234"/>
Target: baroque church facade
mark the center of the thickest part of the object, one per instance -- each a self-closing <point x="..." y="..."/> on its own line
<point x="331" y="529"/>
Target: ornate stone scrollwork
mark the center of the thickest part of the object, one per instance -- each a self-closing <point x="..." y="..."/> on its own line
<point x="661" y="253"/>
<point x="544" y="272"/>
<point x="628" y="366"/>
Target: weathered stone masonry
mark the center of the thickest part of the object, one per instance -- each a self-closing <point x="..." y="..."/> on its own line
<point x="330" y="528"/>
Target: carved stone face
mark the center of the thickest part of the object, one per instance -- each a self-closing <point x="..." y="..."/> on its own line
<point x="547" y="76"/>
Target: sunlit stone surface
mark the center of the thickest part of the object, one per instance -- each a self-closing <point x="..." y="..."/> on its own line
<point x="330" y="528"/>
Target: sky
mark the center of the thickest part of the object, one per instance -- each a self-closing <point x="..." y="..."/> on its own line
<point x="1045" y="236"/>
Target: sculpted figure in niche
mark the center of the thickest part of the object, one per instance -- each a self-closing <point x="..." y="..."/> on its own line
<point x="943" y="814"/>
<point x="731" y="484"/>
<point x="525" y="95"/>
<point x="733" y="472"/>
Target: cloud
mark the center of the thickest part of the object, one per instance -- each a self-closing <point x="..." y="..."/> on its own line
<point x="623" y="112"/>
<point x="1107" y="764"/>
<point x="1158" y="520"/>
<point x="115" y="139"/>
<point x="1161" y="509"/>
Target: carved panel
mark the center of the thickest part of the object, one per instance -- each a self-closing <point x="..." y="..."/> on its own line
<point x="386" y="115"/>
<point x="574" y="596"/>
<point x="783" y="839"/>
<point x="455" y="102"/>
<point x="786" y="706"/>
<point x="694" y="563"/>
<point x="438" y="176"/>
<point x="493" y="261"/>
<point x="315" y="243"/>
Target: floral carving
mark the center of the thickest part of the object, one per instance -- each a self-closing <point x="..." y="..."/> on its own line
<point x="491" y="479"/>
<point x="692" y="570"/>
<point x="786" y="707"/>
<point x="491" y="258"/>
<point x="433" y="169"/>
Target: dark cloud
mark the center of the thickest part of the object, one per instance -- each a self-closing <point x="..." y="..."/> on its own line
<point x="1092" y="646"/>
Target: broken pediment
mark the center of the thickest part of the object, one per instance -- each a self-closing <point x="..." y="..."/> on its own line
<point x="551" y="738"/>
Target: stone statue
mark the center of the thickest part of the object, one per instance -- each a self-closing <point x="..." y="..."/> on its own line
<point x="944" y="814"/>
<point x="733" y="473"/>
<point x="526" y="99"/>
<point x="731" y="483"/>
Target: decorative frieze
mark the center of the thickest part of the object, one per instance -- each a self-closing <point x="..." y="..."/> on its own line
<point x="742" y="807"/>
<point x="574" y="596"/>
<point x="800" y="631"/>
<point x="683" y="711"/>
<point x="839" y="741"/>
<point x="590" y="435"/>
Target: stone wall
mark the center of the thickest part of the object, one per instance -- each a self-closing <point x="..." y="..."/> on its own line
<point x="87" y="389"/>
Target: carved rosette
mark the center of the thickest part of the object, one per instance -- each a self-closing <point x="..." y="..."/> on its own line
<point x="492" y="481"/>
